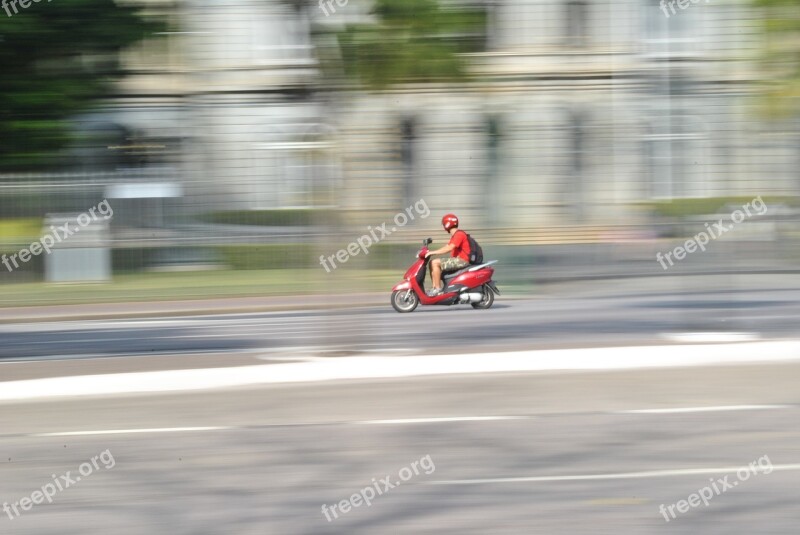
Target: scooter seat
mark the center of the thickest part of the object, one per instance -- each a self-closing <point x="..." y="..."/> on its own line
<point x="451" y="276"/>
<point x="447" y="278"/>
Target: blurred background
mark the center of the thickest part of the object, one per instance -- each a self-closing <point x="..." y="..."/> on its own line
<point x="238" y="141"/>
<point x="197" y="337"/>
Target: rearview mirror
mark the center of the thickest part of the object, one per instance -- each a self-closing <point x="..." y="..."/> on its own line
<point x="426" y="242"/>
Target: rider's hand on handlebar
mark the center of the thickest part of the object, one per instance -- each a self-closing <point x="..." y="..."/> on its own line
<point x="427" y="254"/>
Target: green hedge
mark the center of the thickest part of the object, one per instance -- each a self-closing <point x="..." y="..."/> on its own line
<point x="33" y="267"/>
<point x="126" y="260"/>
<point x="270" y="218"/>
<point x="38" y="204"/>
<point x="277" y="256"/>
<point x="710" y="205"/>
<point x="295" y="256"/>
<point x="272" y="256"/>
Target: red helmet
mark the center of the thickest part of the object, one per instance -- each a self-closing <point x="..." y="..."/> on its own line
<point x="449" y="221"/>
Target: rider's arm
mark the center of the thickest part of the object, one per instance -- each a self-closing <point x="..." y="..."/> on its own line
<point x="442" y="250"/>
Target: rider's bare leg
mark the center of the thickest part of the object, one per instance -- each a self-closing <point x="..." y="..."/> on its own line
<point x="436" y="273"/>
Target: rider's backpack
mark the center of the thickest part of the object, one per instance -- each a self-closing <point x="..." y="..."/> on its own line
<point x="475" y="251"/>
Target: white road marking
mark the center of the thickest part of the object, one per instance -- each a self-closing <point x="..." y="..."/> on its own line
<point x="387" y="367"/>
<point x="706" y="409"/>
<point x="438" y="420"/>
<point x="293" y="358"/>
<point x="717" y="338"/>
<point x="127" y="431"/>
<point x="623" y="475"/>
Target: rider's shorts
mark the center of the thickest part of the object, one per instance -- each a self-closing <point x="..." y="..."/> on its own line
<point x="453" y="263"/>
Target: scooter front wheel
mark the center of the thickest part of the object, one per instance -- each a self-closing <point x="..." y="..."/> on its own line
<point x="404" y="300"/>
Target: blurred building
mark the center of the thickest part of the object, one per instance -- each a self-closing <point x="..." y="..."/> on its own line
<point x="579" y="110"/>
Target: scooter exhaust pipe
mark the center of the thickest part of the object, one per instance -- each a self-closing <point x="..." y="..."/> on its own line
<point x="471" y="297"/>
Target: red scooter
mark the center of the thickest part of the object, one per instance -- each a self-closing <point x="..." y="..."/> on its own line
<point x="472" y="285"/>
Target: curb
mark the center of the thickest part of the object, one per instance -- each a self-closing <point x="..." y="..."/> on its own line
<point x="181" y="312"/>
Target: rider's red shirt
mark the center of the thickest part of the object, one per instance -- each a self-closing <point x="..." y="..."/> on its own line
<point x="459" y="239"/>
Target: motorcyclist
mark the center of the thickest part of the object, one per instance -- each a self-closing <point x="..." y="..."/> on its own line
<point x="458" y="247"/>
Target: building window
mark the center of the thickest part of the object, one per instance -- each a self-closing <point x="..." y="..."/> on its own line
<point x="577" y="23"/>
<point x="666" y="37"/>
<point x="408" y="155"/>
<point x="577" y="185"/>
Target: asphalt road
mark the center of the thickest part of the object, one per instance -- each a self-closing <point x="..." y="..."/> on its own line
<point x="267" y="459"/>
<point x="538" y="322"/>
<point x="512" y="453"/>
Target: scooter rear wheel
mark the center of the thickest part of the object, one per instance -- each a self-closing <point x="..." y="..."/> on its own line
<point x="488" y="298"/>
<point x="404" y="300"/>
